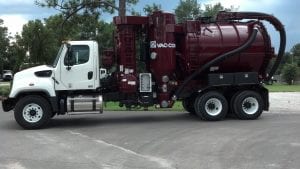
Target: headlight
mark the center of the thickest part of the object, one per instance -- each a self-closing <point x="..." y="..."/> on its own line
<point x="44" y="73"/>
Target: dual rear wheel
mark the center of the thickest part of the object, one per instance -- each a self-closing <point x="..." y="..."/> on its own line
<point x="247" y="105"/>
<point x="213" y="106"/>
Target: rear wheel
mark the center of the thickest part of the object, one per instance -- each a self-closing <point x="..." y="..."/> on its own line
<point x="211" y="106"/>
<point x="32" y="112"/>
<point x="188" y="105"/>
<point x="247" y="105"/>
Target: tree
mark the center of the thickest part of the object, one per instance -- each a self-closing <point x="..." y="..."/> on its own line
<point x="212" y="10"/>
<point x="81" y="27"/>
<point x="187" y="9"/>
<point x="71" y="7"/>
<point x="287" y="58"/>
<point x="4" y="44"/>
<point x="148" y="9"/>
<point x="289" y="73"/>
<point x="190" y="9"/>
<point x="295" y="51"/>
<point x="16" y="53"/>
<point x="104" y="36"/>
<point x="42" y="39"/>
<point x="53" y="24"/>
<point x="39" y="42"/>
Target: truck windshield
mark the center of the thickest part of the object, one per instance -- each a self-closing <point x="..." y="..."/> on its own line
<point x="58" y="55"/>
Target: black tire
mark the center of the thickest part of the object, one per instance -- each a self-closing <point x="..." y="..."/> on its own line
<point x="53" y="115"/>
<point x="32" y="112"/>
<point x="188" y="105"/>
<point x="247" y="105"/>
<point x="211" y="106"/>
<point x="232" y="98"/>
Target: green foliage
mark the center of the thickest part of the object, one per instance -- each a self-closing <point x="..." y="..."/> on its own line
<point x="4" y="44"/>
<point x="287" y="57"/>
<point x="11" y="54"/>
<point x="289" y="73"/>
<point x="104" y="36"/>
<point x="283" y="88"/>
<point x="70" y="7"/>
<point x="187" y="9"/>
<point x="114" y="106"/>
<point x="16" y="53"/>
<point x="296" y="54"/>
<point x="190" y="9"/>
<point x="42" y="39"/>
<point x="39" y="41"/>
<point x="148" y="9"/>
<point x="212" y="10"/>
<point x="135" y="13"/>
<point x="4" y="90"/>
<point x="79" y="20"/>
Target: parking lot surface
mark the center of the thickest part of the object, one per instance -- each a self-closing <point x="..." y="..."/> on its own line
<point x="154" y="140"/>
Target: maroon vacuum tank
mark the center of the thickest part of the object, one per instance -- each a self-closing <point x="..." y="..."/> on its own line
<point x="202" y="42"/>
<point x="179" y="54"/>
<point x="192" y="44"/>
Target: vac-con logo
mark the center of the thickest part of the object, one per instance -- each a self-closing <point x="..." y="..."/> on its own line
<point x="154" y="44"/>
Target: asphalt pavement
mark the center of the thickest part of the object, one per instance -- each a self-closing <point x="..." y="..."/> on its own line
<point x="154" y="140"/>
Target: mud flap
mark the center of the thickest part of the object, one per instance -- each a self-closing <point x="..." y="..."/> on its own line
<point x="8" y="104"/>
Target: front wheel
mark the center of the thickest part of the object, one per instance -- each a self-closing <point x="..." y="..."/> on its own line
<point x="211" y="106"/>
<point x="248" y="105"/>
<point x="32" y="112"/>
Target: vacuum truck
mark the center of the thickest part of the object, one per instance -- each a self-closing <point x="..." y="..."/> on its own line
<point x="214" y="66"/>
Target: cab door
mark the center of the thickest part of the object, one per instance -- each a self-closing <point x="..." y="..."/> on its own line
<point x="77" y="68"/>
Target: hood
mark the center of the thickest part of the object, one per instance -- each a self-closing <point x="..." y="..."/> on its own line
<point x="32" y="70"/>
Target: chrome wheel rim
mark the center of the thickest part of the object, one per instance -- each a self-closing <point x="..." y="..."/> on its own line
<point x="213" y="107"/>
<point x="250" y="105"/>
<point x="32" y="113"/>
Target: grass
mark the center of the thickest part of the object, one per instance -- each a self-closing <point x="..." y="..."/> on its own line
<point x="114" y="106"/>
<point x="4" y="90"/>
<point x="283" y="88"/>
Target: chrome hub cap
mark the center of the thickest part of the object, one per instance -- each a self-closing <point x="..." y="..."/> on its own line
<point x="32" y="113"/>
<point x="213" y="106"/>
<point x="250" y="105"/>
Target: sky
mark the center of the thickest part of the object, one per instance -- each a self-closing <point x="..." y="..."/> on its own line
<point x="15" y="13"/>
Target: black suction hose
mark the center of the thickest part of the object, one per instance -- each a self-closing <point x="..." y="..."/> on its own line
<point x="261" y="16"/>
<point x="217" y="60"/>
<point x="280" y="54"/>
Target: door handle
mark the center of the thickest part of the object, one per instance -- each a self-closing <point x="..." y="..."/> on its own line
<point x="90" y="75"/>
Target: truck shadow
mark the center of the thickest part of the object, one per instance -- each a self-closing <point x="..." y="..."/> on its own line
<point x="125" y="119"/>
<point x="96" y="120"/>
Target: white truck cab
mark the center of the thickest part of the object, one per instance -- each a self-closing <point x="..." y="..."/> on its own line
<point x="78" y="67"/>
<point x="38" y="93"/>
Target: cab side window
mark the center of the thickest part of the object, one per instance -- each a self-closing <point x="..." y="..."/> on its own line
<point x="80" y="55"/>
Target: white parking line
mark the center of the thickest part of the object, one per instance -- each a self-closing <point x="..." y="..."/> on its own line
<point x="162" y="162"/>
<point x="16" y="165"/>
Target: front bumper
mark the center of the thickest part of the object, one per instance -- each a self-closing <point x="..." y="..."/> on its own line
<point x="8" y="104"/>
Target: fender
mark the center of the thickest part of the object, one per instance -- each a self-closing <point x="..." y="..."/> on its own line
<point x="9" y="103"/>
